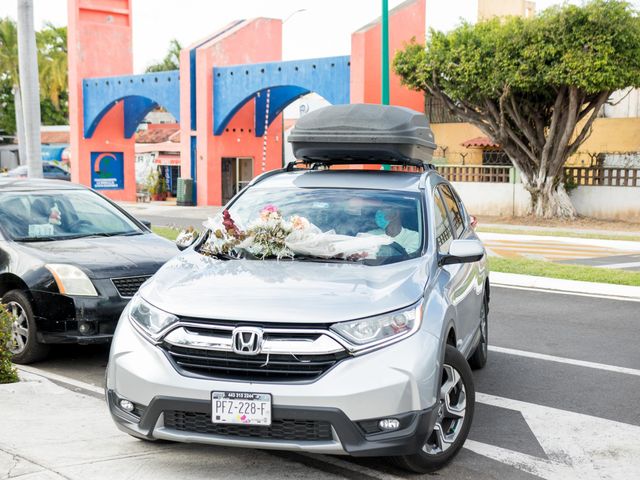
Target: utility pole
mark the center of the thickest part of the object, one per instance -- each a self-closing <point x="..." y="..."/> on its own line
<point x="30" y="88"/>
<point x="385" y="52"/>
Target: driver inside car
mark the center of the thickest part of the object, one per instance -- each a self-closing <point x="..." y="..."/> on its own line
<point x="389" y="223"/>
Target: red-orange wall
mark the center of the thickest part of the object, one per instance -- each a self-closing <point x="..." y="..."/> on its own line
<point x="406" y="21"/>
<point x="99" y="44"/>
<point x="252" y="41"/>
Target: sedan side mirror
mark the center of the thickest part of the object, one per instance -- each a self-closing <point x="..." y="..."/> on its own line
<point x="186" y="238"/>
<point x="146" y="223"/>
<point x="462" y="251"/>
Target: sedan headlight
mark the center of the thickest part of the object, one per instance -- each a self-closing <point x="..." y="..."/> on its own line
<point x="372" y="331"/>
<point x="71" y="280"/>
<point x="152" y="320"/>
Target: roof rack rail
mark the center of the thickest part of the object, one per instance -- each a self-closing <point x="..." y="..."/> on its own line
<point x="314" y="164"/>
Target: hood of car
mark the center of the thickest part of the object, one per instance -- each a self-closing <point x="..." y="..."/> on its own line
<point x="106" y="257"/>
<point x="192" y="285"/>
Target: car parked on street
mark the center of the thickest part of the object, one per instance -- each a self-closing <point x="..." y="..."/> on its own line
<point x="70" y="260"/>
<point x="328" y="310"/>
<point x="50" y="171"/>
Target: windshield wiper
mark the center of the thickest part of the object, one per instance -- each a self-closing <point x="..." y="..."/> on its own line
<point x="37" y="239"/>
<point x="74" y="237"/>
<point x="308" y="258"/>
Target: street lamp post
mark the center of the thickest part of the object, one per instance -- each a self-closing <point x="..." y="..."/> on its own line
<point x="385" y="52"/>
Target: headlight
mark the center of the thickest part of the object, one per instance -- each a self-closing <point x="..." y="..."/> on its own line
<point x="372" y="331"/>
<point x="151" y="319"/>
<point x="71" y="280"/>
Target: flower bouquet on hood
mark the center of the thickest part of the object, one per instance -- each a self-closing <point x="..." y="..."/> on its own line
<point x="225" y="235"/>
<point x="266" y="237"/>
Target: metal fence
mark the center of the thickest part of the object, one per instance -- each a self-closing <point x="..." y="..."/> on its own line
<point x="603" y="176"/>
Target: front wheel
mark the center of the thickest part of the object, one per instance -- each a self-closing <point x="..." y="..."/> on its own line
<point x="454" y="412"/>
<point x="23" y="345"/>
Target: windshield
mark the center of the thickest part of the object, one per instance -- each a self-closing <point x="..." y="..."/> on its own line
<point x="60" y="215"/>
<point x="394" y="217"/>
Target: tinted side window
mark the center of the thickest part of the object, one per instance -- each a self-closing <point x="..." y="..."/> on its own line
<point x="454" y="208"/>
<point x="442" y="226"/>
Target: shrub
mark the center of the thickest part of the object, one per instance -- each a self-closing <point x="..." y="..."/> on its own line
<point x="8" y="373"/>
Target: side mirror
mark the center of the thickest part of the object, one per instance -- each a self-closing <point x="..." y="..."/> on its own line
<point x="463" y="251"/>
<point x="146" y="223"/>
<point x="186" y="238"/>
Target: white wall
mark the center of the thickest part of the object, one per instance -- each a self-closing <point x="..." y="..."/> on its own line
<point x="506" y="199"/>
<point x="620" y="203"/>
<point x="497" y="199"/>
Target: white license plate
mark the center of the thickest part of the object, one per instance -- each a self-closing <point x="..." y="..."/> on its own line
<point x="241" y="408"/>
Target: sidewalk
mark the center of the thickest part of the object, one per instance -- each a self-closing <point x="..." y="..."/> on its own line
<point x="51" y="433"/>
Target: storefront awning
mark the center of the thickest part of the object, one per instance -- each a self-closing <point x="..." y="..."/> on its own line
<point x="167" y="160"/>
<point x="480" y="142"/>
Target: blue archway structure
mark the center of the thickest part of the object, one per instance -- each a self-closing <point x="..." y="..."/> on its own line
<point x="140" y="93"/>
<point x="234" y="86"/>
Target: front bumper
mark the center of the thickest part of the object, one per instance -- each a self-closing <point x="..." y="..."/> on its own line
<point x="398" y="381"/>
<point x="58" y="317"/>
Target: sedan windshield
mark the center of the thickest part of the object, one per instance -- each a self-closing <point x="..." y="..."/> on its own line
<point x="370" y="226"/>
<point x="59" y="215"/>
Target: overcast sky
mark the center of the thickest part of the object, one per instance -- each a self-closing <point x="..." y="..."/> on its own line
<point x="323" y="29"/>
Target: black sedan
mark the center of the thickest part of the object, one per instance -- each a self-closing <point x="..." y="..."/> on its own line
<point x="70" y="260"/>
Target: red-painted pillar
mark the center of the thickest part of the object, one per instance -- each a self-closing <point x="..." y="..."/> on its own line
<point x="406" y="21"/>
<point x="99" y="44"/>
<point x="249" y="41"/>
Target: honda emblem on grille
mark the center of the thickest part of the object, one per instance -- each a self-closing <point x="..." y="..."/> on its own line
<point x="246" y="340"/>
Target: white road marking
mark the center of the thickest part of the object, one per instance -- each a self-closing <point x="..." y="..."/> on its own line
<point x="562" y="292"/>
<point x="568" y="361"/>
<point x="620" y="265"/>
<point x="577" y="446"/>
<point x="61" y="378"/>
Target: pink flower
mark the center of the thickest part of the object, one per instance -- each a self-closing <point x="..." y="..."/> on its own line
<point x="270" y="208"/>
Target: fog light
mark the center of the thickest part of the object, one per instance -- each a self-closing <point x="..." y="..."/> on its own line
<point x="389" y="424"/>
<point x="85" y="327"/>
<point x="126" y="405"/>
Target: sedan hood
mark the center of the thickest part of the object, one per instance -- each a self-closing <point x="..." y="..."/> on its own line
<point x="192" y="285"/>
<point x="106" y="257"/>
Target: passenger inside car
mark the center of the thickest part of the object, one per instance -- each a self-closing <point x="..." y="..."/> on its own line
<point x="389" y="222"/>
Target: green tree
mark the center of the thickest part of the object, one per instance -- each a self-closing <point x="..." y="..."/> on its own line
<point x="533" y="85"/>
<point x="52" y="66"/>
<point x="171" y="61"/>
<point x="52" y="63"/>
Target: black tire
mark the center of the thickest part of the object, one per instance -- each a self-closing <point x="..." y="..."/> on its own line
<point x="32" y="351"/>
<point x="425" y="462"/>
<point x="479" y="357"/>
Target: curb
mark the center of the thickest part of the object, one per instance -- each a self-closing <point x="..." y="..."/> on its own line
<point x="557" y="285"/>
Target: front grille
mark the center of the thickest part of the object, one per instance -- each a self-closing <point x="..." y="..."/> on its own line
<point x="196" y="422"/>
<point x="129" y="286"/>
<point x="270" y="368"/>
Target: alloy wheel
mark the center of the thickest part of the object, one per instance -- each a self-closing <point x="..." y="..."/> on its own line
<point x="451" y="412"/>
<point x="19" y="328"/>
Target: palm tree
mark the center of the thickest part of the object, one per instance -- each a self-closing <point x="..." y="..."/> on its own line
<point x="9" y="69"/>
<point x="171" y="61"/>
<point x="52" y="62"/>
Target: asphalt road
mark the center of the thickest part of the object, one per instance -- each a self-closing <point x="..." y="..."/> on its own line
<point x="558" y="398"/>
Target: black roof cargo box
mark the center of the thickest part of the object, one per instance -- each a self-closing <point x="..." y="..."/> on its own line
<point x="362" y="132"/>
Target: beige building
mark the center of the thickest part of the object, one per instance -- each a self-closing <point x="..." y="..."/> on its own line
<point x="502" y="8"/>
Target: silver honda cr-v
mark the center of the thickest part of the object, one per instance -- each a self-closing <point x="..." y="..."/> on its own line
<point x="328" y="310"/>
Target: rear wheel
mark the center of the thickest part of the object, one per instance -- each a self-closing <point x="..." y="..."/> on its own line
<point x="479" y="358"/>
<point x="24" y="345"/>
<point x="454" y="416"/>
